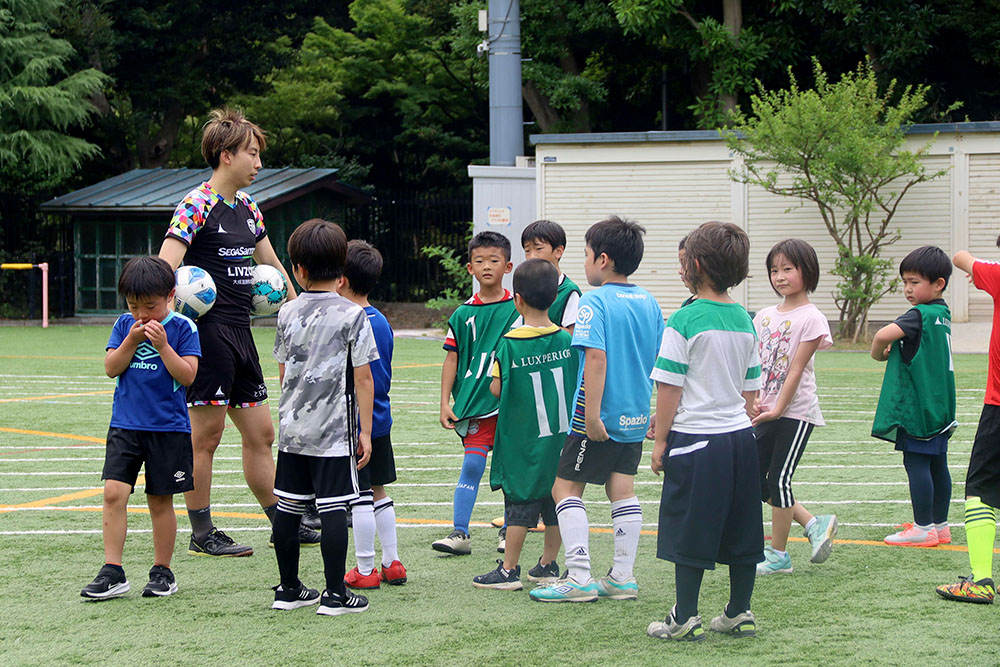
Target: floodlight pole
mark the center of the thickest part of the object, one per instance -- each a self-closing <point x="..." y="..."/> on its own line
<point x="506" y="117"/>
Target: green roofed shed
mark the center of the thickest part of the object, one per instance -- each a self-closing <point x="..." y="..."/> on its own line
<point x="128" y="215"/>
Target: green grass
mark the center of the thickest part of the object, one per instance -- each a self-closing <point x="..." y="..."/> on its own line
<point x="867" y="604"/>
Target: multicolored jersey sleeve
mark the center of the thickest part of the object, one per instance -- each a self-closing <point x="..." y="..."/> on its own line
<point x="259" y="232"/>
<point x="190" y="215"/>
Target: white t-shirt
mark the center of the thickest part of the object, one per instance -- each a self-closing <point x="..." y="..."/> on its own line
<point x="780" y="334"/>
<point x="709" y="349"/>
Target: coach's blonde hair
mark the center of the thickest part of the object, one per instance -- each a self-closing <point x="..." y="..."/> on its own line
<point x="228" y="129"/>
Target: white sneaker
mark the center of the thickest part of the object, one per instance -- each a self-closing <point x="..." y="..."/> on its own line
<point x="669" y="628"/>
<point x="742" y="625"/>
<point x="458" y="543"/>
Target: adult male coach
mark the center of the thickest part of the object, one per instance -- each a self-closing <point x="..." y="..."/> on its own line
<point x="219" y="228"/>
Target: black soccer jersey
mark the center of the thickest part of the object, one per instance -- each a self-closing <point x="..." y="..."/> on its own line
<point x="221" y="239"/>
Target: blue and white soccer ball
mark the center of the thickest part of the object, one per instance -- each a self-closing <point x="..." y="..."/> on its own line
<point x="195" y="292"/>
<point x="267" y="290"/>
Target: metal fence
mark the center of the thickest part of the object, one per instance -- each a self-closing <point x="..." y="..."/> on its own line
<point x="399" y="224"/>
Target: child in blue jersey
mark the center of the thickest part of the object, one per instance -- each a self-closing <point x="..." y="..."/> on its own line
<point x="153" y="352"/>
<point x="618" y="328"/>
<point x="373" y="511"/>
<point x="707" y="376"/>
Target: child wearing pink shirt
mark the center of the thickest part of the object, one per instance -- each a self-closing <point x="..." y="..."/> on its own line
<point x="787" y="409"/>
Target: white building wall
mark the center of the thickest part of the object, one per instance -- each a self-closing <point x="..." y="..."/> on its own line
<point x="672" y="186"/>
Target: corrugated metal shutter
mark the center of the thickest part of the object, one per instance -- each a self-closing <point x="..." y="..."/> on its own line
<point x="924" y="217"/>
<point x="669" y="199"/>
<point x="984" y="224"/>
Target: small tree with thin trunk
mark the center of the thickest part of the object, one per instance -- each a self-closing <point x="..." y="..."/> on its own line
<point x="842" y="145"/>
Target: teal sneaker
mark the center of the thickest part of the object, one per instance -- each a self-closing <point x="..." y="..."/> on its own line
<point x="567" y="590"/>
<point x="613" y="589"/>
<point x="773" y="563"/>
<point x="821" y="537"/>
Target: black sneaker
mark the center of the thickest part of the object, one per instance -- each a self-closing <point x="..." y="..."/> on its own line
<point x="311" y="518"/>
<point x="161" y="582"/>
<point x="544" y="574"/>
<point x="307" y="537"/>
<point x="333" y="604"/>
<point x="500" y="580"/>
<point x="294" y="598"/>
<point x="109" y="583"/>
<point x="217" y="543"/>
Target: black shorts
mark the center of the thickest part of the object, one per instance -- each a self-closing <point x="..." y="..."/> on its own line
<point x="167" y="455"/>
<point x="593" y="462"/>
<point x="710" y="509"/>
<point x="983" y="478"/>
<point x="526" y="514"/>
<point x="325" y="479"/>
<point x="381" y="468"/>
<point x="229" y="369"/>
<point x="780" y="445"/>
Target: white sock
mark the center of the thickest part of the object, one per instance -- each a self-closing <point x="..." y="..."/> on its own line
<point x="575" y="535"/>
<point x="363" y="520"/>
<point x="810" y="523"/>
<point x="626" y="521"/>
<point x="940" y="526"/>
<point x="385" y="524"/>
<point x="780" y="554"/>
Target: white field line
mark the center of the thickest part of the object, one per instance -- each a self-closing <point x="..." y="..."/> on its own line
<point x="443" y="524"/>
<point x="50" y="489"/>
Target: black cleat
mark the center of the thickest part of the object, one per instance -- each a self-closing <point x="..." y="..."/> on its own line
<point x="294" y="598"/>
<point x="334" y="604"/>
<point x="311" y="517"/>
<point x="217" y="543"/>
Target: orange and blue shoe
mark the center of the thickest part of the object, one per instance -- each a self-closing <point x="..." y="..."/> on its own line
<point x="969" y="590"/>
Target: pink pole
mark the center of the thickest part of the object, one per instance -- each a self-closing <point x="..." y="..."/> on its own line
<point x="44" y="266"/>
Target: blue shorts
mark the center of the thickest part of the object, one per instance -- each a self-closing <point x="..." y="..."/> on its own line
<point x="710" y="509"/>
<point x="932" y="446"/>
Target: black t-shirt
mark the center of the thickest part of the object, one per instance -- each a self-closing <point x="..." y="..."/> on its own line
<point x="221" y="239"/>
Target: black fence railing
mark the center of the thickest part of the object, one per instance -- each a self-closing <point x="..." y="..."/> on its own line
<point x="399" y="224"/>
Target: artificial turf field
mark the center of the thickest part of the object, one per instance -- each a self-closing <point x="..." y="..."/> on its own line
<point x="867" y="604"/>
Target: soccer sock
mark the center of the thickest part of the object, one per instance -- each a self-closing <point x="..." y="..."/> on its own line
<point x="918" y="472"/>
<point x="363" y="523"/>
<point x="334" y="546"/>
<point x="201" y="522"/>
<point x="575" y="535"/>
<point x="942" y="488"/>
<point x="285" y="535"/>
<point x="687" y="581"/>
<point x="385" y="524"/>
<point x="271" y="510"/>
<point x="117" y="567"/>
<point x="809" y="524"/>
<point x="741" y="581"/>
<point x="473" y="465"/>
<point x="980" y="532"/>
<point x="626" y="521"/>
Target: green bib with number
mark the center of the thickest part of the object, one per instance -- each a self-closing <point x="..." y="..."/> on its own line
<point x="918" y="397"/>
<point x="538" y="369"/>
<point x="477" y="329"/>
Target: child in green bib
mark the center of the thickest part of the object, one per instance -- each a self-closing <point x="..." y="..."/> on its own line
<point x="916" y="408"/>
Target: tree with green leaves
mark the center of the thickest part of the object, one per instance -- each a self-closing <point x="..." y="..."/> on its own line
<point x="41" y="101"/>
<point x="839" y="145"/>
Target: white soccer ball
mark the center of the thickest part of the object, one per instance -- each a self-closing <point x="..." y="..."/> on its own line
<point x="195" y="292"/>
<point x="267" y="290"/>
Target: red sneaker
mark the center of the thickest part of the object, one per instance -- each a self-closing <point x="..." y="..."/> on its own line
<point x="944" y="535"/>
<point x="354" y="579"/>
<point x="395" y="574"/>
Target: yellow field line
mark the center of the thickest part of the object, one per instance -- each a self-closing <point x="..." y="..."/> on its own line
<point x="76" y="495"/>
<point x="67" y="436"/>
<point x="51" y="396"/>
